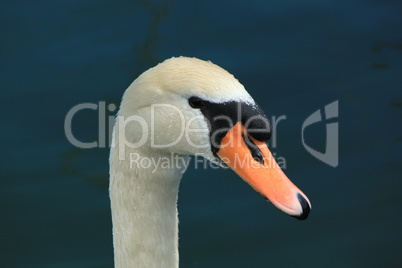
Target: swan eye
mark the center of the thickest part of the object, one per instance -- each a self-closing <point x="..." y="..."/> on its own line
<point x="196" y="102"/>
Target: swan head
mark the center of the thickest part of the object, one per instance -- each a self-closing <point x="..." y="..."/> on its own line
<point x="188" y="106"/>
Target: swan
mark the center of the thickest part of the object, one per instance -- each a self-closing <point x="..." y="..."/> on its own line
<point x="182" y="107"/>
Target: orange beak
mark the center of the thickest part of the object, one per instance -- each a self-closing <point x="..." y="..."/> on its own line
<point x="262" y="172"/>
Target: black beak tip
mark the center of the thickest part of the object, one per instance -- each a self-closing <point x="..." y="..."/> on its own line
<point x="305" y="206"/>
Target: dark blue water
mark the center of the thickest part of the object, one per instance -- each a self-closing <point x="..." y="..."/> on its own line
<point x="294" y="57"/>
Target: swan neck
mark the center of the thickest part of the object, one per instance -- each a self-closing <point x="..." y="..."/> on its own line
<point x="144" y="209"/>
